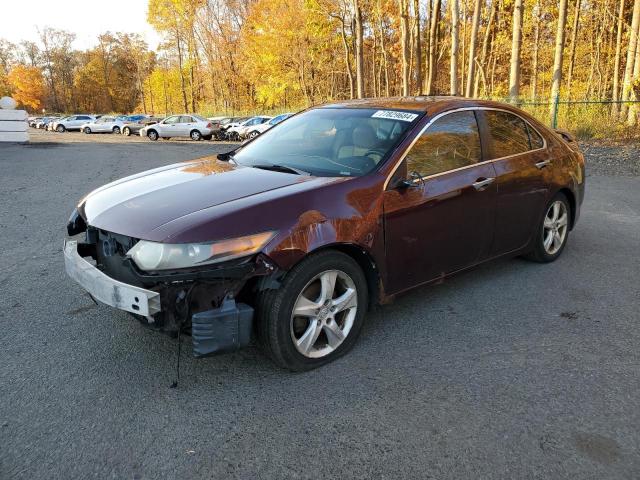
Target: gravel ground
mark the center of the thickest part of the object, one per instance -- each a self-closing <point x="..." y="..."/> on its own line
<point x="513" y="370"/>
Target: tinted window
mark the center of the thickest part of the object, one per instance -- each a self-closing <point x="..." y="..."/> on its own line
<point x="535" y="138"/>
<point x="185" y="119"/>
<point x="450" y="142"/>
<point x="508" y="133"/>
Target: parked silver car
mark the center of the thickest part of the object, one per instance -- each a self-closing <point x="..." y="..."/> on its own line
<point x="106" y="124"/>
<point x="186" y="125"/>
<point x="256" y="130"/>
<point x="72" y="122"/>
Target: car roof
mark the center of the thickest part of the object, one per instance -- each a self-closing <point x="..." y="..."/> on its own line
<point x="422" y="103"/>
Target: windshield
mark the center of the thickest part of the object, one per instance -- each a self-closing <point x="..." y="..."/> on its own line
<point x="330" y="142"/>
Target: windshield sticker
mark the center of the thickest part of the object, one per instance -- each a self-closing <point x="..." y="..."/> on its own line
<point x="394" y="115"/>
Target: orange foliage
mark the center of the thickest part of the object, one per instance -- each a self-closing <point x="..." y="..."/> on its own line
<point x="28" y="86"/>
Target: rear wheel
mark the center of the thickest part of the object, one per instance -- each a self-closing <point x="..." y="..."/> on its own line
<point x="195" y="135"/>
<point x="126" y="131"/>
<point x="316" y="314"/>
<point x="553" y="232"/>
<point x="116" y="130"/>
<point x="87" y="130"/>
<point x="152" y="135"/>
<point x="60" y="128"/>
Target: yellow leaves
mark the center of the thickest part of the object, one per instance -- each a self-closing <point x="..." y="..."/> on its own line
<point x="27" y="85"/>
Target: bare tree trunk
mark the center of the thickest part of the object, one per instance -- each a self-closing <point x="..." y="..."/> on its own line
<point x="359" y="48"/>
<point x="418" y="37"/>
<point x="453" y="89"/>
<point x="347" y="57"/>
<point x="433" y="44"/>
<point x="536" y="47"/>
<point x="631" y="53"/>
<point x="574" y="38"/>
<point x="182" y="83"/>
<point x="632" y="116"/>
<point x="516" y="44"/>
<point x="485" y="45"/>
<point x="404" y="44"/>
<point x="557" y="60"/>
<point x="384" y="52"/>
<point x="615" y="94"/>
<point x="472" y="48"/>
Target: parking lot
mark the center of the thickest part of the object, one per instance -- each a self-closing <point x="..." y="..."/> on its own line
<point x="512" y="370"/>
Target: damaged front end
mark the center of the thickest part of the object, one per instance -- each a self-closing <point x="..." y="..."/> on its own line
<point x="213" y="303"/>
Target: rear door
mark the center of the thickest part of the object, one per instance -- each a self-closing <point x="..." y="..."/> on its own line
<point x="443" y="221"/>
<point x="186" y="124"/>
<point x="520" y="161"/>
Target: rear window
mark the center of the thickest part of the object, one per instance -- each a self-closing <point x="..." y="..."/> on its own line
<point x="508" y="132"/>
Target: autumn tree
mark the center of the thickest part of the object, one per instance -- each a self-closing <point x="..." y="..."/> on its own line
<point x="27" y="86"/>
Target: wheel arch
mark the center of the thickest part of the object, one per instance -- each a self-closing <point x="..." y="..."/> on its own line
<point x="362" y="257"/>
<point x="567" y="192"/>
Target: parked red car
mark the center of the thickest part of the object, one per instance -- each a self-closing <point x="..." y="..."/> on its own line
<point x="295" y="234"/>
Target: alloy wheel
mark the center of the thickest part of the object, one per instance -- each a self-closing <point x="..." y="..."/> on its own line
<point x="554" y="231"/>
<point x="324" y="313"/>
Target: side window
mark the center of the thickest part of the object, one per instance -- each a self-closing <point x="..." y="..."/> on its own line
<point x="508" y="133"/>
<point x="172" y="120"/>
<point x="535" y="138"/>
<point x="450" y="142"/>
<point x="185" y="119"/>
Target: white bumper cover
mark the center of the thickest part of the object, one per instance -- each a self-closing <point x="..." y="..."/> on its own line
<point x="104" y="288"/>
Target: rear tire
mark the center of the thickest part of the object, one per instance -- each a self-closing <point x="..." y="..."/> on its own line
<point x="60" y="129"/>
<point x="116" y="130"/>
<point x="87" y="130"/>
<point x="195" y="135"/>
<point x="126" y="131"/>
<point x="152" y="135"/>
<point x="330" y="325"/>
<point x="553" y="231"/>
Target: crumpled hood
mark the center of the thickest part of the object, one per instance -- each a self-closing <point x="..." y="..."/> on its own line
<point x="137" y="205"/>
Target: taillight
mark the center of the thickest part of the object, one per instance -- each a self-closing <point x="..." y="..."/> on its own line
<point x="209" y="125"/>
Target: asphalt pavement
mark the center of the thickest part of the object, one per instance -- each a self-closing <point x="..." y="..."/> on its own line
<point x="512" y="370"/>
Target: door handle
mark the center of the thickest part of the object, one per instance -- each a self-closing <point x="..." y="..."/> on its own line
<point x="481" y="184"/>
<point x="543" y="164"/>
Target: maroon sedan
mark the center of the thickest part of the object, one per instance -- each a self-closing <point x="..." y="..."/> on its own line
<point x="295" y="235"/>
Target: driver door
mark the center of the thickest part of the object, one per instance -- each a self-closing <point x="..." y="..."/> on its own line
<point x="168" y="127"/>
<point x="442" y="219"/>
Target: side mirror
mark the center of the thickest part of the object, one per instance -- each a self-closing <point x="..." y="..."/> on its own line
<point x="415" y="180"/>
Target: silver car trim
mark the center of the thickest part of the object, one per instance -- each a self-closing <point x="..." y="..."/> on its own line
<point x="107" y="290"/>
<point x="442" y="114"/>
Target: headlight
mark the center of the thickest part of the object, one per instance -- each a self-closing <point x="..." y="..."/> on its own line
<point x="165" y="256"/>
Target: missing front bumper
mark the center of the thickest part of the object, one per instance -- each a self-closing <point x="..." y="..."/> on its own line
<point x="107" y="290"/>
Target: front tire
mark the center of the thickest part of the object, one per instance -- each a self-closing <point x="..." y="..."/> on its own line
<point x="116" y="130"/>
<point x="126" y="131"/>
<point x="87" y="130"/>
<point x="152" y="135"/>
<point x="196" y="135"/>
<point x="317" y="313"/>
<point x="60" y="129"/>
<point x="553" y="232"/>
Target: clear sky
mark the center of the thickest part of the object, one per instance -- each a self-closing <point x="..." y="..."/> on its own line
<point x="19" y="19"/>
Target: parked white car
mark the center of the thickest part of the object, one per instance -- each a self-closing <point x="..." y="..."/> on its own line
<point x="256" y="130"/>
<point x="105" y="124"/>
<point x="236" y="133"/>
<point x="187" y="125"/>
<point x="72" y="122"/>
